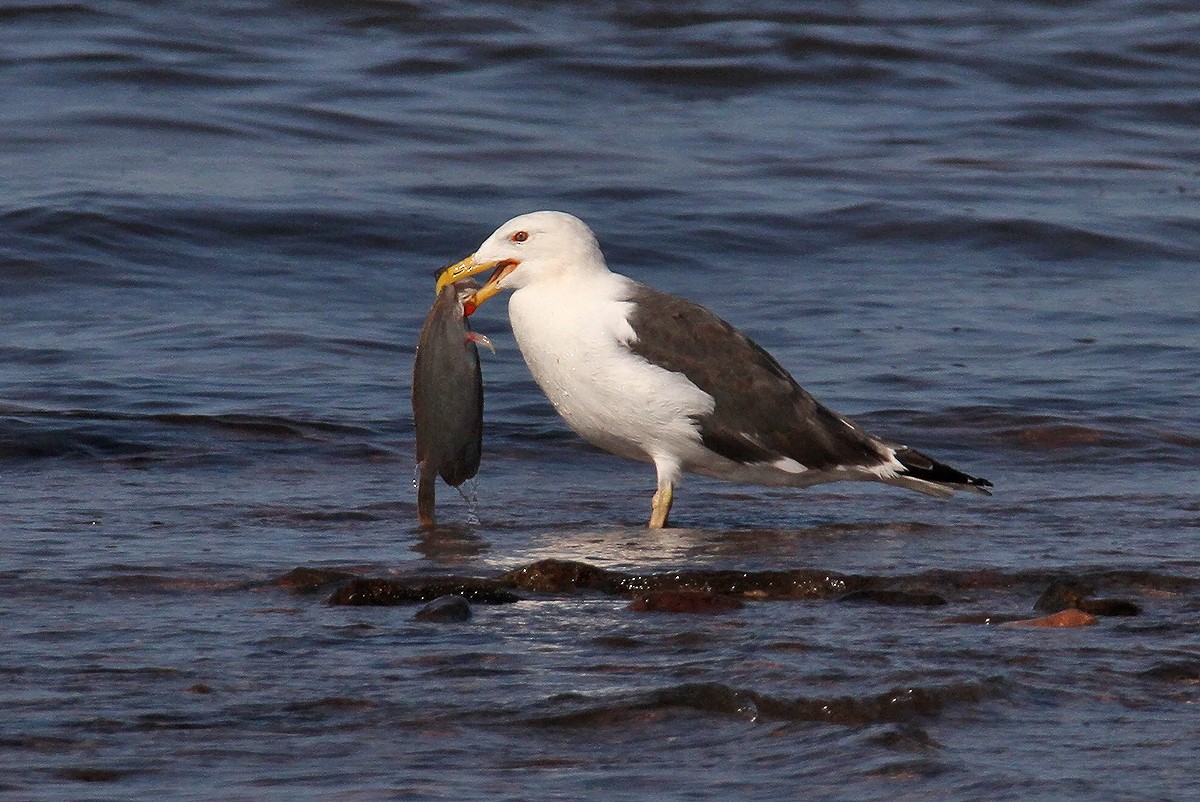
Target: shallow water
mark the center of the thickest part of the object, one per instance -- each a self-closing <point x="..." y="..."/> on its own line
<point x="971" y="229"/>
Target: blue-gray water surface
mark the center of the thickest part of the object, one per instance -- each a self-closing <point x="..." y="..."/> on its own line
<point x="974" y="227"/>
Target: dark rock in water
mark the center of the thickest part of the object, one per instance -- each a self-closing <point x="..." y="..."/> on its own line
<point x="1184" y="673"/>
<point x="905" y="736"/>
<point x="907" y="769"/>
<point x="1109" y="607"/>
<point x="310" y="580"/>
<point x="689" y="641"/>
<point x="363" y="591"/>
<point x="1061" y="595"/>
<point x="683" y="601"/>
<point x="92" y="774"/>
<point x="894" y="598"/>
<point x="986" y="619"/>
<point x="800" y="583"/>
<point x="559" y="576"/>
<point x="1068" y="594"/>
<point x="901" y="704"/>
<point x="617" y="642"/>
<point x="447" y="398"/>
<point x="445" y="609"/>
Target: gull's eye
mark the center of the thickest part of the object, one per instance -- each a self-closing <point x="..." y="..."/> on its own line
<point x="520" y="236"/>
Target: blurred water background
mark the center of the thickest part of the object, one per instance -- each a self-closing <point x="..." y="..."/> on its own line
<point x="972" y="227"/>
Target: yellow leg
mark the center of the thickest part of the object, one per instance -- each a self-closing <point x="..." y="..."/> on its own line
<point x="660" y="508"/>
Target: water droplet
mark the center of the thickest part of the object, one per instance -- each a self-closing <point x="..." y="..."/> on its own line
<point x="469" y="490"/>
<point x="746" y="707"/>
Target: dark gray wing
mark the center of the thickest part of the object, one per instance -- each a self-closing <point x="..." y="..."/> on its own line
<point x="761" y="414"/>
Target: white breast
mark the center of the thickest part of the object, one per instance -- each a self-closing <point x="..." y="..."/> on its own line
<point x="571" y="332"/>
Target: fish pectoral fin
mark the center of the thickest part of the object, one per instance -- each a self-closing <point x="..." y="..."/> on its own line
<point x="479" y="339"/>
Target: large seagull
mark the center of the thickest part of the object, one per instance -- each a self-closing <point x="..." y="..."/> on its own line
<point x="649" y="376"/>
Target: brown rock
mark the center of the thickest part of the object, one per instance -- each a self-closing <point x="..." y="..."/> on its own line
<point x="310" y="580"/>
<point x="1064" y="618"/>
<point x="683" y="601"/>
<point x="559" y="576"/>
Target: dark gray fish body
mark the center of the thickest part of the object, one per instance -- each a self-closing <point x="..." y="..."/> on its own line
<point x="447" y="398"/>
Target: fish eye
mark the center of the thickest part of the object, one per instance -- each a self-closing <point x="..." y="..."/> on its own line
<point x="520" y="236"/>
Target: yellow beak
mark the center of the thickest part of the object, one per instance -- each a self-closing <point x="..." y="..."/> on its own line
<point x="470" y="267"/>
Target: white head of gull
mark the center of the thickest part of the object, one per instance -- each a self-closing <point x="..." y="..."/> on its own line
<point x="652" y="377"/>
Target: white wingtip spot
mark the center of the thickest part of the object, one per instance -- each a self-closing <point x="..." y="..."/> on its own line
<point x="789" y="465"/>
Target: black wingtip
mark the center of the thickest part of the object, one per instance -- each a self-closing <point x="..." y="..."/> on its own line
<point x="980" y="485"/>
<point x="921" y="466"/>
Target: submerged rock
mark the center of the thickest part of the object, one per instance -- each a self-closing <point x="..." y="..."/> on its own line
<point x="711" y="590"/>
<point x="1109" y="607"/>
<point x="1182" y="673"/>
<point x="93" y="774"/>
<point x="905" y="736"/>
<point x="445" y="609"/>
<point x="560" y="576"/>
<point x="1069" y="594"/>
<point x="904" y="704"/>
<point x="985" y="619"/>
<point x="683" y="601"/>
<point x="310" y="580"/>
<point x="362" y="591"/>
<point x="800" y="583"/>
<point x="1061" y="595"/>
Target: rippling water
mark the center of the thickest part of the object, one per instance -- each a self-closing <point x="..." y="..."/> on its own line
<point x="973" y="228"/>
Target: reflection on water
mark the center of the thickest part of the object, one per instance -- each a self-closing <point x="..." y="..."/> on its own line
<point x="450" y="544"/>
